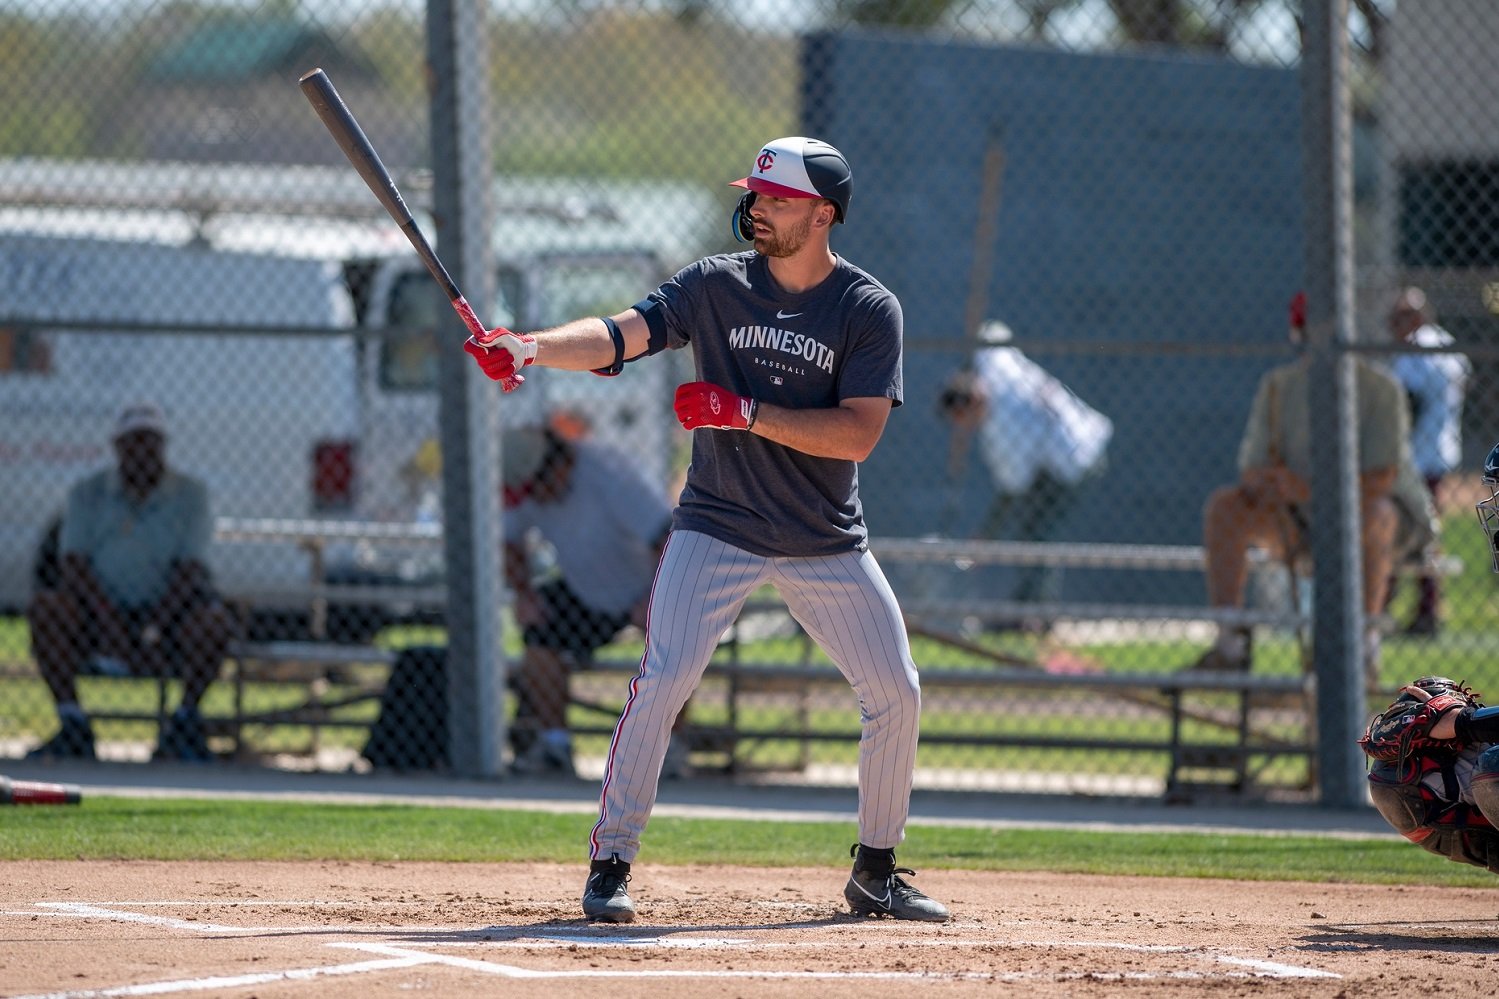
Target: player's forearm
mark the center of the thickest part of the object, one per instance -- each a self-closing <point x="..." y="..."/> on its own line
<point x="586" y="344"/>
<point x="1471" y="724"/>
<point x="840" y="432"/>
<point x="580" y="345"/>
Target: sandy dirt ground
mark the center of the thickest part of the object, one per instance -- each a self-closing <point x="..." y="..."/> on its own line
<point x="333" y="929"/>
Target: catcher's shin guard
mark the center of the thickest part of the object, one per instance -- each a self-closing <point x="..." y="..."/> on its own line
<point x="1484" y="784"/>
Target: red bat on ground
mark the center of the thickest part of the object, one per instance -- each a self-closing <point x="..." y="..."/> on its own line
<point x="29" y="792"/>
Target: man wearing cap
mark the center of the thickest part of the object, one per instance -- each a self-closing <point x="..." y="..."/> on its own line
<point x="583" y="532"/>
<point x="798" y="361"/>
<point x="1435" y="379"/>
<point x="1040" y="442"/>
<point x="133" y="595"/>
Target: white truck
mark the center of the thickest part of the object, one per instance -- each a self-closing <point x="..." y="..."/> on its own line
<point x="88" y="325"/>
<point x="347" y="421"/>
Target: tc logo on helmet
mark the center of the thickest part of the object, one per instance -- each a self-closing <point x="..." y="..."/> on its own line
<point x="765" y="160"/>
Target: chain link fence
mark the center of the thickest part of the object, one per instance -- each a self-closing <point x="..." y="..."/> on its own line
<point x="1091" y="210"/>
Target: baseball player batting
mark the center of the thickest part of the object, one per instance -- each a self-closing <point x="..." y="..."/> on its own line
<point x="797" y="355"/>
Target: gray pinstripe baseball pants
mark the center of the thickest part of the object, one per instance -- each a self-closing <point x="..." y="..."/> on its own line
<point x="845" y="605"/>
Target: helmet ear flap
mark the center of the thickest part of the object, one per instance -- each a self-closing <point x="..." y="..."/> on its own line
<point x="741" y="225"/>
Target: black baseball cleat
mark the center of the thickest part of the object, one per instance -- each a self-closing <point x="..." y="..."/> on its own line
<point x="875" y="888"/>
<point x="73" y="741"/>
<point x="604" y="896"/>
<point x="182" y="738"/>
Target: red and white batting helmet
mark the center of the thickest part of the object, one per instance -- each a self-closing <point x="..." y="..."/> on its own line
<point x="795" y="167"/>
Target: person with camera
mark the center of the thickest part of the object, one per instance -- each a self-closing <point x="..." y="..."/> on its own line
<point x="1039" y="442"/>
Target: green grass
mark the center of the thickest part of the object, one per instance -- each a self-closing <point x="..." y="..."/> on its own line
<point x="106" y="828"/>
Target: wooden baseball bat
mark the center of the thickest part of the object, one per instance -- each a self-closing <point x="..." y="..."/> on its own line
<point x="27" y="792"/>
<point x="980" y="273"/>
<point x="341" y="124"/>
<point x="981" y="267"/>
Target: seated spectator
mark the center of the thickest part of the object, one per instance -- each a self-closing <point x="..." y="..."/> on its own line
<point x="133" y="595"/>
<point x="1436" y="381"/>
<point x="1268" y="507"/>
<point x="583" y="533"/>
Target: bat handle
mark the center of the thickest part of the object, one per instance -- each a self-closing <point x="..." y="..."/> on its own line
<point x="483" y="337"/>
<point x="466" y="313"/>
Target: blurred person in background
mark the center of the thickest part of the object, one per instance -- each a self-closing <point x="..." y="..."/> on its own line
<point x="1039" y="441"/>
<point x="1268" y="507"/>
<point x="583" y="534"/>
<point x="133" y="595"/>
<point x="1435" y="381"/>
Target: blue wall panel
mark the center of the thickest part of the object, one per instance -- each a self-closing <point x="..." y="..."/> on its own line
<point x="1145" y="199"/>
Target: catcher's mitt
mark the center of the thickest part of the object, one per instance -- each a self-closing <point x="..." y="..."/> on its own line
<point x="1404" y="728"/>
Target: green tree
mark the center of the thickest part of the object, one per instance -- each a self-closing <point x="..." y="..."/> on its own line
<point x="895" y="13"/>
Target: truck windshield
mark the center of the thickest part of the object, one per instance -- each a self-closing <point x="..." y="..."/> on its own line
<point x="551" y="291"/>
<point x="409" y="360"/>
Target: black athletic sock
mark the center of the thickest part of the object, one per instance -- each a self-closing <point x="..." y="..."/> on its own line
<point x="873" y="861"/>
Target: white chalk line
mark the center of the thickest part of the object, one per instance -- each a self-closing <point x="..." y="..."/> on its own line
<point x="511" y="971"/>
<point x="234" y="981"/>
<point x="105" y="910"/>
<point x="404" y="957"/>
<point x="244" y="903"/>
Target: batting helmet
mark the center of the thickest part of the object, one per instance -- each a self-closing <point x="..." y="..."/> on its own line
<point x="1488" y="508"/>
<point x="795" y="167"/>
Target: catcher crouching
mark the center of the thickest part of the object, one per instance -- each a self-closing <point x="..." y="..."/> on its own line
<point x="1434" y="752"/>
<point x="1434" y="770"/>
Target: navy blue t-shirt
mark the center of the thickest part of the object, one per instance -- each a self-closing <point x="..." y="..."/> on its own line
<point x="839" y="340"/>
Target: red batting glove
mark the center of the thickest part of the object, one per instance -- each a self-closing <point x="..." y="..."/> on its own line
<point x="501" y="355"/>
<point x="703" y="404"/>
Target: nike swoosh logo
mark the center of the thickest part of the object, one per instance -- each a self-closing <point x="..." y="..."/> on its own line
<point x="786" y="315"/>
<point x="875" y="898"/>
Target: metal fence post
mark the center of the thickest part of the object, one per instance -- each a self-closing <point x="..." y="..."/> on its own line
<point x="461" y="175"/>
<point x="1338" y="609"/>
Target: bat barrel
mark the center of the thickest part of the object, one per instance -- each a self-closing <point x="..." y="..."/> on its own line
<point x="29" y="792"/>
<point x="345" y="129"/>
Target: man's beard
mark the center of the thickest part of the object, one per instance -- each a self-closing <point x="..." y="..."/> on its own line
<point x="785" y="244"/>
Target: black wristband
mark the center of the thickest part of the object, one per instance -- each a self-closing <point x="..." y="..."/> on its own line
<point x="619" y="349"/>
<point x="754" y="413"/>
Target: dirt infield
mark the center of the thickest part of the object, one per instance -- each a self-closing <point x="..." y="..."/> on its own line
<point x="331" y="929"/>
